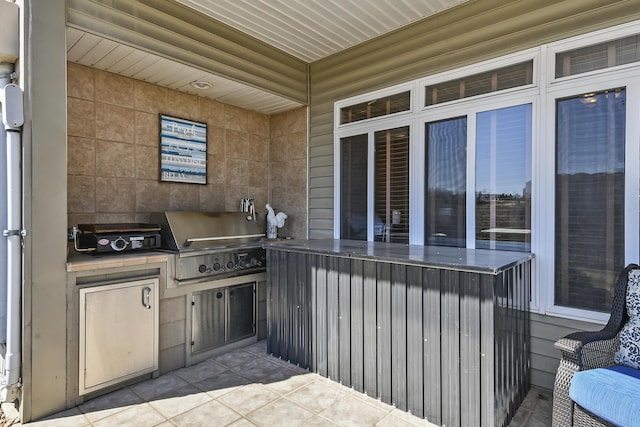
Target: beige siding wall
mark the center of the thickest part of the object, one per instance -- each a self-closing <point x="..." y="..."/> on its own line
<point x="545" y="331"/>
<point x="464" y="35"/>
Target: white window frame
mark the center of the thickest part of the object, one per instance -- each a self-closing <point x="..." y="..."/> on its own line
<point x="542" y="94"/>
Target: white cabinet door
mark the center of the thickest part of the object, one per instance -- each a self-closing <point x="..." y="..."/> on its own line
<point x="118" y="333"/>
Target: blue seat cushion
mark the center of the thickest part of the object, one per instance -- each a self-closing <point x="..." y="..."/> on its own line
<point x="612" y="393"/>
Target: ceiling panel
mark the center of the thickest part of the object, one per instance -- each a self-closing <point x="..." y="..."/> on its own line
<point x="307" y="29"/>
<point x="98" y="52"/>
<point x="313" y="29"/>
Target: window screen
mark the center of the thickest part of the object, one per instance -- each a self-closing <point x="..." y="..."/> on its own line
<point x="589" y="217"/>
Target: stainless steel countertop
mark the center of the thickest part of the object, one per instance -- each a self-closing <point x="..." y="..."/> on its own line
<point x="462" y="259"/>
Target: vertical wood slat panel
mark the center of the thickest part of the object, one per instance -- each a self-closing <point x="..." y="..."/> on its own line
<point x="272" y="306"/>
<point x="525" y="285"/>
<point x="499" y="363"/>
<point x="302" y="285"/>
<point x="321" y="315"/>
<point x="357" y="325"/>
<point x="384" y="331"/>
<point x="292" y="307"/>
<point x="487" y="346"/>
<point x="432" y="323"/>
<point x="285" y="328"/>
<point x="424" y="339"/>
<point x="333" y="327"/>
<point x="399" y="335"/>
<point x="313" y="313"/>
<point x="450" y="321"/>
<point x="344" y="316"/>
<point x="415" y="342"/>
<point x="470" y="323"/>
<point x="370" y="335"/>
<point x="511" y="344"/>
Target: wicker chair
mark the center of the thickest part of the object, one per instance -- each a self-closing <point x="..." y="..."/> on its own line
<point x="588" y="350"/>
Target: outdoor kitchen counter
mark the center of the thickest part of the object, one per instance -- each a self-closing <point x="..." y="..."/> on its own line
<point x="443" y="333"/>
<point x="85" y="262"/>
<point x="460" y="259"/>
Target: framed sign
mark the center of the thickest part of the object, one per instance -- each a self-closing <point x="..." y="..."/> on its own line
<point x="183" y="150"/>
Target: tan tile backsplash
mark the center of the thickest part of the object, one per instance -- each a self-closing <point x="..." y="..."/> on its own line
<point x="113" y="153"/>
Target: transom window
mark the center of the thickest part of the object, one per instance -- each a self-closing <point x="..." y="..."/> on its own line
<point x="490" y="81"/>
<point x="598" y="56"/>
<point x="376" y="107"/>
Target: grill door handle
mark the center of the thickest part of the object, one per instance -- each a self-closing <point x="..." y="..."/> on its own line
<point x="146" y="297"/>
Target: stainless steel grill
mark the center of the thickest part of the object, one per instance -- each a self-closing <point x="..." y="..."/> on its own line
<point x="212" y="244"/>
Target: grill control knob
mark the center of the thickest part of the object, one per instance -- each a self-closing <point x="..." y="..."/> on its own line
<point x="230" y="265"/>
<point x="254" y="262"/>
<point x="202" y="268"/>
<point x="119" y="244"/>
<point x="216" y="266"/>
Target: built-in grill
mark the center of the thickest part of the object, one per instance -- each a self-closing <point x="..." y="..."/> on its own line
<point x="220" y="265"/>
<point x="212" y="244"/>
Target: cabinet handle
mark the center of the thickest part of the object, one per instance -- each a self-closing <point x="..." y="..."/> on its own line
<point x="146" y="297"/>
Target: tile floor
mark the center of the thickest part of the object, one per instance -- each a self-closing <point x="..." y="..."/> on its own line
<point x="247" y="387"/>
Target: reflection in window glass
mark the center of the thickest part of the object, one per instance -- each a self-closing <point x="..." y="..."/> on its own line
<point x="446" y="176"/>
<point x="503" y="179"/>
<point x="391" y="198"/>
<point x="353" y="188"/>
<point x="589" y="218"/>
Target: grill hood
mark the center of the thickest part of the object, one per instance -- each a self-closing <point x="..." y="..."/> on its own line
<point x="191" y="230"/>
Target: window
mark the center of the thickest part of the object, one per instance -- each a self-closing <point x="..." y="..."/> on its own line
<point x="392" y="185"/>
<point x="589" y="217"/>
<point x="478" y="84"/>
<point x="353" y="188"/>
<point x="376" y="108"/>
<point x="548" y="164"/>
<point x="446" y="182"/>
<point x="503" y="179"/>
<point x="598" y="56"/>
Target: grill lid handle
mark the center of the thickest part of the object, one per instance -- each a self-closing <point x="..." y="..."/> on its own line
<point x="191" y="240"/>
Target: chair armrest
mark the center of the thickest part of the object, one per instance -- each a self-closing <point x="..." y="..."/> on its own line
<point x="586" y="348"/>
<point x="580" y="351"/>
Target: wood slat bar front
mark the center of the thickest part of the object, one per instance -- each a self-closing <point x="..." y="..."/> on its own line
<point x="447" y="343"/>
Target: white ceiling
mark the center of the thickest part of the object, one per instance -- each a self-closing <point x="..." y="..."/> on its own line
<point x="307" y="29"/>
<point x="313" y="29"/>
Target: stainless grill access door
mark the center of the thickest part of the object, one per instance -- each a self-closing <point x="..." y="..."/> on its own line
<point x="222" y="315"/>
<point x="208" y="319"/>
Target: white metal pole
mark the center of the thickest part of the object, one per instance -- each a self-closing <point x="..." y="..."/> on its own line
<point x="13" y="119"/>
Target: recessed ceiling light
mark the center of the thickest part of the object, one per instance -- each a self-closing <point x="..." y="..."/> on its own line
<point x="201" y="85"/>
